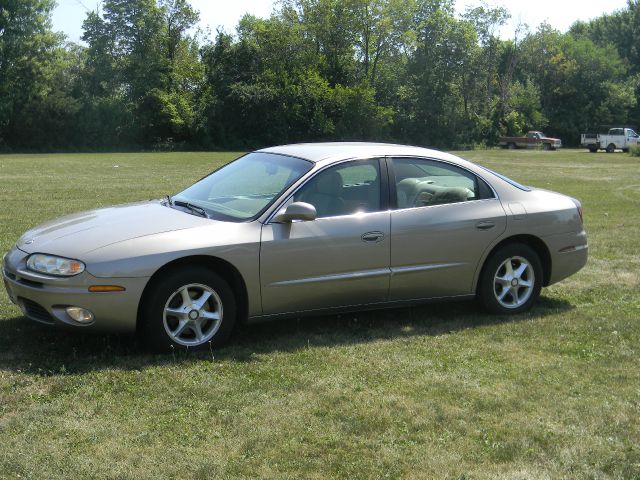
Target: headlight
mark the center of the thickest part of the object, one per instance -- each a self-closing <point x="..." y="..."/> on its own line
<point x="62" y="267"/>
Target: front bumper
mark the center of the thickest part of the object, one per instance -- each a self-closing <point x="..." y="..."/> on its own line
<point x="44" y="299"/>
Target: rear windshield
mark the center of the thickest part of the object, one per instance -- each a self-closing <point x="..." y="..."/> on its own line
<point x="507" y="179"/>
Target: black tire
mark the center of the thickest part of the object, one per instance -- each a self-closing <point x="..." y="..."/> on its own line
<point x="593" y="150"/>
<point x="511" y="146"/>
<point x="611" y="148"/>
<point x="488" y="284"/>
<point x="546" y="146"/>
<point x="152" y="330"/>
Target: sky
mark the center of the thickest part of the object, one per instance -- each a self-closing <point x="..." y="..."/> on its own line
<point x="69" y="14"/>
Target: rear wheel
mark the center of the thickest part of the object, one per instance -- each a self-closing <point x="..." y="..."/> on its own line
<point x="611" y="148"/>
<point x="593" y="149"/>
<point x="511" y="279"/>
<point x="189" y="308"/>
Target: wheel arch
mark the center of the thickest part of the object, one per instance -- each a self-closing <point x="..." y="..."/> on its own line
<point x="222" y="267"/>
<point x="538" y="246"/>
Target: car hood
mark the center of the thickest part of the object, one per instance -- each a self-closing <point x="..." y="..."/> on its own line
<point x="80" y="233"/>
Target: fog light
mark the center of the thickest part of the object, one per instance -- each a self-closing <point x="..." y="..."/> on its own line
<point x="80" y="315"/>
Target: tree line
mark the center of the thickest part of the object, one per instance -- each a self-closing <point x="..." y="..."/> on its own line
<point x="409" y="71"/>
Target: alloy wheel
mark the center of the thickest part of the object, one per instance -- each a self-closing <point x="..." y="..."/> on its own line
<point x="192" y="315"/>
<point x="514" y="282"/>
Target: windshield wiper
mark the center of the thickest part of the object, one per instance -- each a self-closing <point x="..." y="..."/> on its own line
<point x="190" y="206"/>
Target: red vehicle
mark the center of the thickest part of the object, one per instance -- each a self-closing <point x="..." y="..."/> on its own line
<point x="533" y="139"/>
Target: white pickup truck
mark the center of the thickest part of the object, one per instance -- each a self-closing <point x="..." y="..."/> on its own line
<point x="617" y="138"/>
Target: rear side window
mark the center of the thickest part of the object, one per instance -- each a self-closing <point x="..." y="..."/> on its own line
<point x="421" y="183"/>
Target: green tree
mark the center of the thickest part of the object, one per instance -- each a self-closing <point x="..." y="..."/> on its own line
<point x="27" y="48"/>
<point x="523" y="111"/>
<point x="429" y="108"/>
<point x="581" y="85"/>
<point x="331" y="24"/>
<point x="382" y="29"/>
<point x="143" y="71"/>
<point x="620" y="29"/>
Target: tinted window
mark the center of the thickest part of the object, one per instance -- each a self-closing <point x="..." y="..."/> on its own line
<point x="422" y="183"/>
<point x="345" y="189"/>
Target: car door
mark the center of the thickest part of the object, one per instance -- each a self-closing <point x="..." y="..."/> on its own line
<point x="445" y="217"/>
<point x="339" y="259"/>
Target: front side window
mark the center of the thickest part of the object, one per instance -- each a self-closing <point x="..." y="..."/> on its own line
<point x="346" y="189"/>
<point x="422" y="183"/>
<point x="243" y="189"/>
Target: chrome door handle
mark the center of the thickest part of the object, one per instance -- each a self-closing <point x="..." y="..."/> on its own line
<point x="372" y="237"/>
<point x="485" y="225"/>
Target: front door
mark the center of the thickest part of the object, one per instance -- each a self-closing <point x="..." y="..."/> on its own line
<point x="341" y="258"/>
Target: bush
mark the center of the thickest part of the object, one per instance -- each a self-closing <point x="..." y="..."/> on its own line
<point x="634" y="150"/>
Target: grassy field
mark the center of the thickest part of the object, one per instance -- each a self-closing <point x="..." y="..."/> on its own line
<point x="439" y="391"/>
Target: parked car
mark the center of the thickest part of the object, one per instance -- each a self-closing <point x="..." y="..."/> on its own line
<point x="532" y="139"/>
<point x="293" y="230"/>
<point x="617" y="138"/>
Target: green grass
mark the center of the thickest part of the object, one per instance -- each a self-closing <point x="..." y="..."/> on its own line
<point x="440" y="391"/>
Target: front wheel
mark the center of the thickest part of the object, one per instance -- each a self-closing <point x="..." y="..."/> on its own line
<point x="547" y="146"/>
<point x="188" y="308"/>
<point x="511" y="279"/>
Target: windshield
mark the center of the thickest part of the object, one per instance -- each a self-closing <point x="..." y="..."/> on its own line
<point x="243" y="189"/>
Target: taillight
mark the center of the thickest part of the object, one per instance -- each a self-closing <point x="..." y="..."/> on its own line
<point x="579" y="207"/>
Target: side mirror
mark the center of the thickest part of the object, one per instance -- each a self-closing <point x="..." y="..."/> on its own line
<point x="296" y="211"/>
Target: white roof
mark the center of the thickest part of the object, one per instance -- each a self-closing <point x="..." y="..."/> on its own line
<point x="317" y="152"/>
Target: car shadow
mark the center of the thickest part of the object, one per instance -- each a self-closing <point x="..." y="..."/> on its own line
<point x="28" y="347"/>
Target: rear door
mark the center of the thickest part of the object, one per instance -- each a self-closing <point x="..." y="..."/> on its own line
<point x="341" y="258"/>
<point x="445" y="218"/>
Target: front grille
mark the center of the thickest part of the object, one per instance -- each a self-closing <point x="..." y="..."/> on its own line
<point x="35" y="311"/>
<point x="30" y="283"/>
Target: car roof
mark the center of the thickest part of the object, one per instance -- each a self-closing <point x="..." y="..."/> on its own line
<point x="316" y="152"/>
